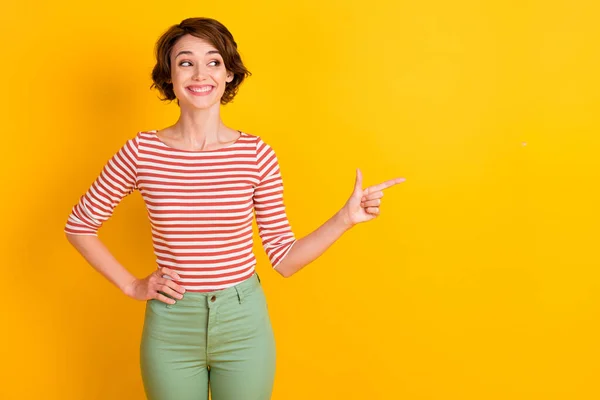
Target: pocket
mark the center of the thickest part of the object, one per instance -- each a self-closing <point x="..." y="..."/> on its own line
<point x="168" y="305"/>
<point x="162" y="303"/>
<point x="158" y="322"/>
<point x="156" y="305"/>
<point x="259" y="299"/>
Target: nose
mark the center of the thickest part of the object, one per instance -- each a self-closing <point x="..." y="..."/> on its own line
<point x="199" y="73"/>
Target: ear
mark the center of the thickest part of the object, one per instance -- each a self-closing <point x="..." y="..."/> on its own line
<point x="229" y="78"/>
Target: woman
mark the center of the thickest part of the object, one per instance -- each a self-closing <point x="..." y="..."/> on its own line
<point x="206" y="320"/>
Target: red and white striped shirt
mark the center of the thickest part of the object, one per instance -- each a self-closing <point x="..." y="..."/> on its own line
<point x="200" y="206"/>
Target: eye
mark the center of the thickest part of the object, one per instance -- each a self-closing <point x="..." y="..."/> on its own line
<point x="183" y="62"/>
<point x="215" y="61"/>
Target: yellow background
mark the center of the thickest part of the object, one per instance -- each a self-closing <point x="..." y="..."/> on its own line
<point x="479" y="280"/>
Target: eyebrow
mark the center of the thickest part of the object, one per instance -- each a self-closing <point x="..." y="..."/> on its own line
<point x="189" y="52"/>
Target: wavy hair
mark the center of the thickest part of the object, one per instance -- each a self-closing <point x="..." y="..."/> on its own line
<point x="213" y="32"/>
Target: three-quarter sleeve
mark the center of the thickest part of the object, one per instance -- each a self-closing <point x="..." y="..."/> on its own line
<point x="273" y="226"/>
<point x="117" y="179"/>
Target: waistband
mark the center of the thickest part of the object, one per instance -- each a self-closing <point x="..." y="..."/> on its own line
<point x="211" y="299"/>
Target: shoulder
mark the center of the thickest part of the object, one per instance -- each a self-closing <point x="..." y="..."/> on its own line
<point x="134" y="141"/>
<point x="131" y="145"/>
<point x="250" y="136"/>
<point x="260" y="145"/>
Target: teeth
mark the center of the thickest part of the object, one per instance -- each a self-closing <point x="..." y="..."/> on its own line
<point x="206" y="89"/>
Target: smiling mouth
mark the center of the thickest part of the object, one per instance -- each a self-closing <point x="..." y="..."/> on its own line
<point x="200" y="91"/>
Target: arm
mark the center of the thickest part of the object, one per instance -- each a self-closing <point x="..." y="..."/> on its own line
<point x="287" y="254"/>
<point x="310" y="247"/>
<point x="98" y="256"/>
<point x="116" y="180"/>
<point x="362" y="206"/>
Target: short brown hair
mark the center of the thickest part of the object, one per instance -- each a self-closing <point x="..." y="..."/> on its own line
<point x="213" y="32"/>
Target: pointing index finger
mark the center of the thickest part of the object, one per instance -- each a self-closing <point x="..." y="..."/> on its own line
<point x="386" y="184"/>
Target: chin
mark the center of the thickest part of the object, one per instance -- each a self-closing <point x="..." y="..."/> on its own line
<point x="206" y="105"/>
<point x="200" y="105"/>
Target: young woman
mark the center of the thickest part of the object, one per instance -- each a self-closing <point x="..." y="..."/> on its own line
<point x="206" y="320"/>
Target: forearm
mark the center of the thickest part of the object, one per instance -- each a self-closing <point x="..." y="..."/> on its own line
<point x="311" y="246"/>
<point x="100" y="258"/>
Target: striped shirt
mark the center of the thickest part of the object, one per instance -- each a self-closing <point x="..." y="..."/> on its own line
<point x="200" y="205"/>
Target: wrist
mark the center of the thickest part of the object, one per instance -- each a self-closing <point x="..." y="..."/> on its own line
<point x="344" y="219"/>
<point x="129" y="288"/>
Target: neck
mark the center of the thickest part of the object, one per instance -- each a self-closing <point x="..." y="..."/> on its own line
<point x="199" y="127"/>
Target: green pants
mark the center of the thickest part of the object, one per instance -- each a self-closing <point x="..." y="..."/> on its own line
<point x="223" y="339"/>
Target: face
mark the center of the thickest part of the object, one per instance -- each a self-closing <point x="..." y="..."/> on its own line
<point x="198" y="73"/>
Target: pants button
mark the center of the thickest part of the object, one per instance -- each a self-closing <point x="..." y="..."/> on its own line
<point x="213" y="298"/>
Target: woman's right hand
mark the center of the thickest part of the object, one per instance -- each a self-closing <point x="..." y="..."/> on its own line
<point x="148" y="288"/>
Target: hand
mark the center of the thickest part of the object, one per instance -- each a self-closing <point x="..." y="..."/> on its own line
<point x="148" y="288"/>
<point x="363" y="205"/>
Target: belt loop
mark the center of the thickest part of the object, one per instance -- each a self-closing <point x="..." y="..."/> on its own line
<point x="240" y="293"/>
